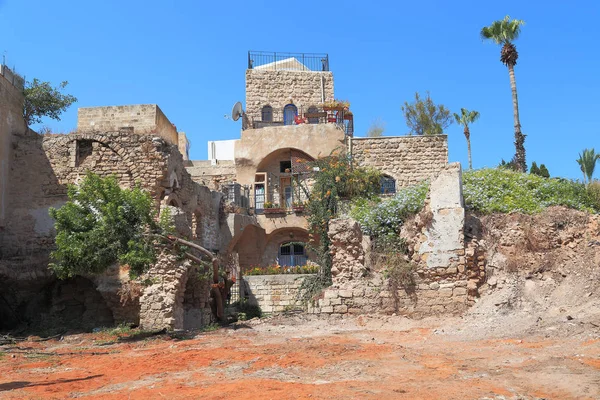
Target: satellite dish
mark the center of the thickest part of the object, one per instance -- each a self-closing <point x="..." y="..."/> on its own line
<point x="237" y="111"/>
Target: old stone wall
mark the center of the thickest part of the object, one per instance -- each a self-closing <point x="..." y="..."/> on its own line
<point x="140" y="119"/>
<point x="43" y="165"/>
<point x="212" y="176"/>
<point x="161" y="304"/>
<point x="441" y="272"/>
<point x="273" y="293"/>
<point x="279" y="88"/>
<point x="11" y="121"/>
<point x="407" y="159"/>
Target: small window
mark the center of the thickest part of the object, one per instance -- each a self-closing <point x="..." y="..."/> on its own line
<point x="313" y="110"/>
<point x="388" y="185"/>
<point x="84" y="149"/>
<point x="285" y="165"/>
<point x="267" y="114"/>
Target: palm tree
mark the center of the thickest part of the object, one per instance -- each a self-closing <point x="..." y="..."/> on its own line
<point x="587" y="163"/>
<point x="504" y="32"/>
<point x="467" y="117"/>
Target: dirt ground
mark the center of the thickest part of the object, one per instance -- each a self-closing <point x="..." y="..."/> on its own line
<point x="301" y="357"/>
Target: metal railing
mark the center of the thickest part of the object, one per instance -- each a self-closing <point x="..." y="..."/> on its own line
<point x="274" y="61"/>
<point x="292" y="260"/>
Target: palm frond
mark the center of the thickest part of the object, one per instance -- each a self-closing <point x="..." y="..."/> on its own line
<point x="502" y="31"/>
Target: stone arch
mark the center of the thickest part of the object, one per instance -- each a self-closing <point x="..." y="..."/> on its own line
<point x="173" y="200"/>
<point x="281" y="236"/>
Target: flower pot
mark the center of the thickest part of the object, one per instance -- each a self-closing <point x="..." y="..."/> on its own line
<point x="298" y="209"/>
<point x="274" y="210"/>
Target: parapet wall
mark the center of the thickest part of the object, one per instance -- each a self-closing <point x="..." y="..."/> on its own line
<point x="138" y="119"/>
<point x="407" y="159"/>
<point x="273" y="293"/>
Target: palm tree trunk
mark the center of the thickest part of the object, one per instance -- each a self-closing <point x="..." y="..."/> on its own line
<point x="519" y="137"/>
<point x="468" y="137"/>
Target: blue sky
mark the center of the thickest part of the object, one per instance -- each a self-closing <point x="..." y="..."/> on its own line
<point x="189" y="57"/>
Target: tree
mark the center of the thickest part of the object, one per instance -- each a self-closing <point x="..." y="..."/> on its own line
<point x="504" y="32"/>
<point x="423" y="117"/>
<point x="467" y="117"/>
<point x="587" y="163"/>
<point x="101" y="224"/>
<point x="539" y="171"/>
<point x="376" y="129"/>
<point x="534" y="170"/>
<point x="43" y="100"/>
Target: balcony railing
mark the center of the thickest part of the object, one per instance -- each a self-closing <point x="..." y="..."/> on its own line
<point x="274" y="61"/>
<point x="310" y="116"/>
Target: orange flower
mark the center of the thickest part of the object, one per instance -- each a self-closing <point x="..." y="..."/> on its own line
<point x="337" y="179"/>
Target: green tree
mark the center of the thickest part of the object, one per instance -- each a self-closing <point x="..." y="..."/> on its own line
<point x="465" y="118"/>
<point x="376" y="129"/>
<point x="43" y="100"/>
<point x="544" y="171"/>
<point x="504" y="32"/>
<point x="534" y="170"/>
<point x="424" y="117"/>
<point x="587" y="163"/>
<point x="101" y="224"/>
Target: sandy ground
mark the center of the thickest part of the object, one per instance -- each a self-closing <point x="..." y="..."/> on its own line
<point x="297" y="357"/>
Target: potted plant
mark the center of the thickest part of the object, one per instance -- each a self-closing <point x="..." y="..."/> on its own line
<point x="298" y="206"/>
<point x="272" y="208"/>
<point x="336" y="105"/>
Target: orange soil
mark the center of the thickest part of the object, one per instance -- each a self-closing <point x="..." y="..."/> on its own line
<point x="281" y="364"/>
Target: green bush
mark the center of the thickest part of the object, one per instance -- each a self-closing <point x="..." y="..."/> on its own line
<point x="503" y="190"/>
<point x="384" y="218"/>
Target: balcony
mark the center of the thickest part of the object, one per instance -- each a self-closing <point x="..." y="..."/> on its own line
<point x="343" y="118"/>
<point x="274" y="61"/>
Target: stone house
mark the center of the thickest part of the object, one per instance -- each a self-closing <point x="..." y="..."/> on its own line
<point x="288" y="121"/>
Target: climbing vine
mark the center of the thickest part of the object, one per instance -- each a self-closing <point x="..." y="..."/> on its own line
<point x="333" y="179"/>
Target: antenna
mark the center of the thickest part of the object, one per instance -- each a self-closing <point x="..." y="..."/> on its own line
<point x="237" y="111"/>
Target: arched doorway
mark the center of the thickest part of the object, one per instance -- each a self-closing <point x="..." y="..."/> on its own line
<point x="289" y="114"/>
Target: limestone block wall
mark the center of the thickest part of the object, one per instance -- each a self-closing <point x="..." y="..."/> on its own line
<point x="161" y="304"/>
<point x="279" y="88"/>
<point x="140" y="119"/>
<point x="407" y="159"/>
<point x="11" y="121"/>
<point x="273" y="293"/>
<point x="212" y="176"/>
<point x="446" y="271"/>
<point x="41" y="168"/>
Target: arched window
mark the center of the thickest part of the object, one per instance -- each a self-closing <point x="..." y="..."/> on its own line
<point x="388" y="185"/>
<point x="289" y="114"/>
<point x="313" y="110"/>
<point x="292" y="255"/>
<point x="267" y="114"/>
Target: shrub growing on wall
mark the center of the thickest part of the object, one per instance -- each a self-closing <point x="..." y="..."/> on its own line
<point x="334" y="178"/>
<point x="101" y="224"/>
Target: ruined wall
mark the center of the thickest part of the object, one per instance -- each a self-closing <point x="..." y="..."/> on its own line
<point x="42" y="166"/>
<point x="213" y="176"/>
<point x="442" y="272"/>
<point x="274" y="293"/>
<point x="279" y="88"/>
<point x="11" y="121"/>
<point x="140" y="119"/>
<point x="176" y="298"/>
<point x="407" y="159"/>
